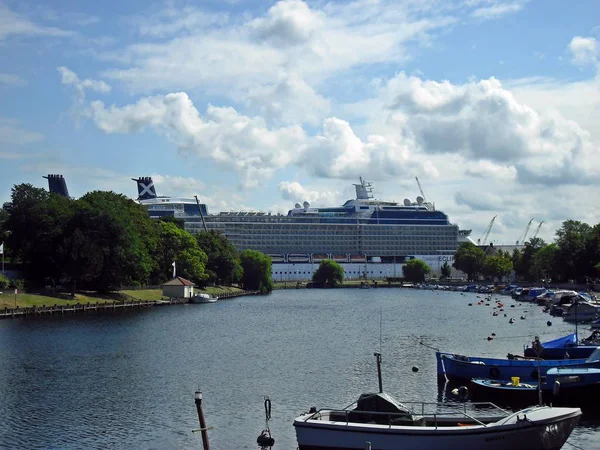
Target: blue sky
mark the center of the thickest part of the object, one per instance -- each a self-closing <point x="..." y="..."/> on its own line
<point x="257" y="105"/>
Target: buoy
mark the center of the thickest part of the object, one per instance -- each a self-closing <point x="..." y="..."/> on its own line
<point x="505" y="315"/>
<point x="489" y="338"/>
<point x="493" y="334"/>
<point x="549" y="323"/>
<point x="265" y="439"/>
<point x="470" y="304"/>
<point x="415" y="369"/>
<point x="512" y="306"/>
<point x="511" y="320"/>
<point x="522" y="317"/>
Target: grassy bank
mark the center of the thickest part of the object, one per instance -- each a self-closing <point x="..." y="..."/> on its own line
<point x="7" y="299"/>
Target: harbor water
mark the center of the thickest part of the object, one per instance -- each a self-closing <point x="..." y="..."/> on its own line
<point x="127" y="379"/>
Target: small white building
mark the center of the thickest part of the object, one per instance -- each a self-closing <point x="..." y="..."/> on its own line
<point x="178" y="288"/>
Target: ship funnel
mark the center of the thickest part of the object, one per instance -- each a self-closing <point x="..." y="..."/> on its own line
<point x="407" y="202"/>
<point x="420" y="200"/>
<point x="146" y="189"/>
<point x="57" y="185"/>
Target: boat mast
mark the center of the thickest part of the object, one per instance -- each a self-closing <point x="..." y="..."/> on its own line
<point x="378" y="357"/>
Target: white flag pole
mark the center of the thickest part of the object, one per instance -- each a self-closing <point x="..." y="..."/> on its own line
<point x="174" y="270"/>
<point x="2" y="251"/>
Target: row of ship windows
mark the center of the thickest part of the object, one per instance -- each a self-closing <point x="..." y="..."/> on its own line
<point x="303" y="228"/>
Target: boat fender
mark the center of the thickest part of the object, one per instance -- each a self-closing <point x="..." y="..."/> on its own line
<point x="265" y="439"/>
<point x="494" y="373"/>
<point x="556" y="388"/>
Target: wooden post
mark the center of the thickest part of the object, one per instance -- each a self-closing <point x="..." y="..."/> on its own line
<point x="203" y="430"/>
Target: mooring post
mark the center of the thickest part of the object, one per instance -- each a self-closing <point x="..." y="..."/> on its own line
<point x="203" y="430"/>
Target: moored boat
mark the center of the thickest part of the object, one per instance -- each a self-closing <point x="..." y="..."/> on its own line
<point x="384" y="423"/>
<point x="566" y="347"/>
<point x="460" y="367"/>
<point x="203" y="298"/>
<point x="578" y="387"/>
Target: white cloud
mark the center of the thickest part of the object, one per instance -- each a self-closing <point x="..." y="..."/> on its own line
<point x="487" y="169"/>
<point x="70" y="78"/>
<point x="171" y="185"/>
<point x="497" y="9"/>
<point x="227" y="137"/>
<point x="295" y="192"/>
<point x="584" y="50"/>
<point x="482" y="120"/>
<point x="13" y="24"/>
<point x="10" y="79"/>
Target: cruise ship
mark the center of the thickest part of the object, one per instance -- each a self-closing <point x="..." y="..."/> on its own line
<point x="370" y="238"/>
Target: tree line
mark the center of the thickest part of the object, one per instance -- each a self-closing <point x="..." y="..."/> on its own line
<point x="104" y="241"/>
<point x="573" y="256"/>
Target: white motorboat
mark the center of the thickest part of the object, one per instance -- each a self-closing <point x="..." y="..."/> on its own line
<point x="379" y="422"/>
<point x="203" y="298"/>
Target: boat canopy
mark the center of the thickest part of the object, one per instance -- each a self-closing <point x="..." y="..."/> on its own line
<point x="380" y="402"/>
<point x="565" y="341"/>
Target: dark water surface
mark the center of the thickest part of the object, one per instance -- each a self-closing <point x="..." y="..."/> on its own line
<point x="127" y="380"/>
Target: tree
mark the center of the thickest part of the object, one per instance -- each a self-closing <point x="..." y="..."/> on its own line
<point x="4" y="282"/>
<point x="497" y="266"/>
<point x="181" y="247"/>
<point x="223" y="264"/>
<point x="256" y="271"/>
<point x="571" y="239"/>
<point x="446" y="270"/>
<point x="415" y="270"/>
<point x="36" y="225"/>
<point x="109" y="242"/>
<point x="517" y="260"/>
<point x="469" y="258"/>
<point x="329" y="272"/>
<point x="543" y="262"/>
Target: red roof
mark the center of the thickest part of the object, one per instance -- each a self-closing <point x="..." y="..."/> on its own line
<point x="179" y="282"/>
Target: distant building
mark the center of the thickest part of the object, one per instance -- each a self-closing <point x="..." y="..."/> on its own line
<point x="178" y="288"/>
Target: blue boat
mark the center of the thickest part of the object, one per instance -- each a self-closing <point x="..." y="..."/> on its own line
<point x="561" y="387"/>
<point x="566" y="347"/>
<point x="459" y="367"/>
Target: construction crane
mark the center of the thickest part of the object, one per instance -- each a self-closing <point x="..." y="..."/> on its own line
<point x="524" y="234"/>
<point x="537" y="230"/>
<point x="420" y="188"/>
<point x="483" y="239"/>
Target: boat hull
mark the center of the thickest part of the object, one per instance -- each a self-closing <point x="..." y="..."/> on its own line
<point x="456" y="367"/>
<point x="516" y="433"/>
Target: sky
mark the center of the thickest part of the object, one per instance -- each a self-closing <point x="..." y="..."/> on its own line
<point x="256" y="105"/>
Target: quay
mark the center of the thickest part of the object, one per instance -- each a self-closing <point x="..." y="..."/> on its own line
<point x="82" y="308"/>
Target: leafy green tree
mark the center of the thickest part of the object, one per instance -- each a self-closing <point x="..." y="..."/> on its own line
<point x="108" y="243"/>
<point x="415" y="270"/>
<point x="223" y="264"/>
<point x="329" y="272"/>
<point x="4" y="216"/>
<point x="4" y="282"/>
<point x="592" y="252"/>
<point x="256" y="271"/>
<point x="446" y="270"/>
<point x="518" y="267"/>
<point x="36" y="225"/>
<point x="497" y="266"/>
<point x="572" y="238"/>
<point x="543" y="262"/>
<point x="469" y="258"/>
<point x="526" y="262"/>
<point x="181" y="247"/>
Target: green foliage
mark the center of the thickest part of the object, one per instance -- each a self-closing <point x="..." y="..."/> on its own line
<point x="572" y="238"/>
<point x="470" y="259"/>
<point x="256" y="271"/>
<point x="180" y="246"/>
<point x="497" y="266"/>
<point x="415" y="270"/>
<point x="17" y="284"/>
<point x="446" y="270"/>
<point x="177" y="221"/>
<point x="223" y="266"/>
<point x="329" y="273"/>
<point x="4" y="282"/>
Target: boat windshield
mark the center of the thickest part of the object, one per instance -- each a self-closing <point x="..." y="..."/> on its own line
<point x="595" y="356"/>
